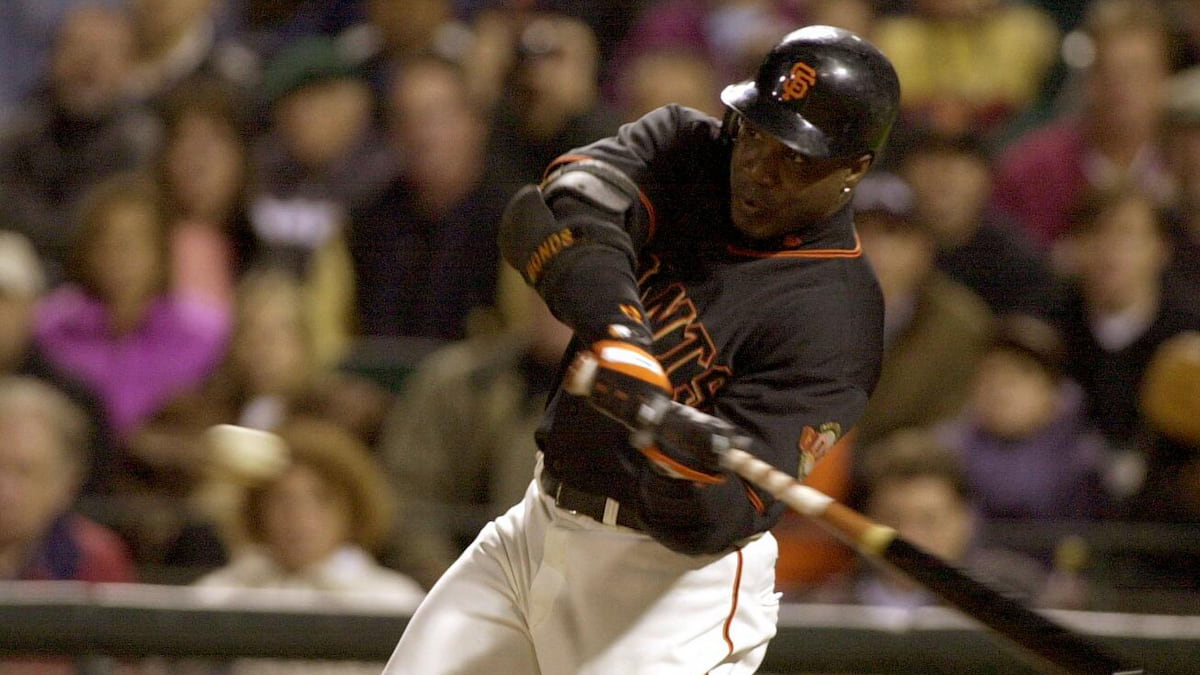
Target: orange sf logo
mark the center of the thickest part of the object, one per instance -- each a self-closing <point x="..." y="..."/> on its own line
<point x="801" y="77"/>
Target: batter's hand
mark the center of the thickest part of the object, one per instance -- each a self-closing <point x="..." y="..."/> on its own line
<point x="628" y="384"/>
<point x="621" y="380"/>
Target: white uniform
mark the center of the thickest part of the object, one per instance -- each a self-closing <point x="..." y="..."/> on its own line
<point x="633" y="606"/>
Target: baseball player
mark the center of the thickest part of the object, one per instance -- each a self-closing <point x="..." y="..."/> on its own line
<point x="715" y="262"/>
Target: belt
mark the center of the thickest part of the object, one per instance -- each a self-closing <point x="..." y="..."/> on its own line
<point x="597" y="507"/>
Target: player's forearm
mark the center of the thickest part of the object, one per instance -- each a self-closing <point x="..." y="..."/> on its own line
<point x="578" y="258"/>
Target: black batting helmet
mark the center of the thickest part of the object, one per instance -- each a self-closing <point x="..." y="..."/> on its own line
<point x="823" y="92"/>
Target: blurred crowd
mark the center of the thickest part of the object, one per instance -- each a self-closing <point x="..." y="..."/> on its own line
<point x="281" y="215"/>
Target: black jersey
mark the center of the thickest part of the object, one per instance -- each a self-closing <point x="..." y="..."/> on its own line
<point x="782" y="338"/>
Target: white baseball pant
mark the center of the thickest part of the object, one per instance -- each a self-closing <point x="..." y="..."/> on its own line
<point x="550" y="592"/>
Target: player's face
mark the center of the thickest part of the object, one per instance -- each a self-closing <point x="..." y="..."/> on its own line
<point x="775" y="190"/>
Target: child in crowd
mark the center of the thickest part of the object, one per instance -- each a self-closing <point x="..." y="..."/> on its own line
<point x="1027" y="449"/>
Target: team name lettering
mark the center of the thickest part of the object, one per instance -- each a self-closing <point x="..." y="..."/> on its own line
<point x="682" y="344"/>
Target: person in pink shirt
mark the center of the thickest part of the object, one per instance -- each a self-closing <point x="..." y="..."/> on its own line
<point x="114" y="323"/>
<point x="1112" y="138"/>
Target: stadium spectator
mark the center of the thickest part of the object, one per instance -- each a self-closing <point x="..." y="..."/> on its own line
<point x="913" y="483"/>
<point x="656" y="77"/>
<point x="42" y="462"/>
<point x="1110" y="137"/>
<point x="968" y="65"/>
<point x="180" y="39"/>
<point x="114" y="324"/>
<point x="935" y="329"/>
<point x="316" y="525"/>
<point x="1117" y="313"/>
<point x="1026" y="448"/>
<point x="204" y="173"/>
<point x="27" y="29"/>
<point x="322" y="157"/>
<point x="951" y="178"/>
<point x="552" y="99"/>
<point x="74" y="133"/>
<point x="459" y="440"/>
<point x="22" y="285"/>
<point x="424" y="251"/>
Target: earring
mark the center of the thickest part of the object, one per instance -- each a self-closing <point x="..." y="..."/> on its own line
<point x="845" y="189"/>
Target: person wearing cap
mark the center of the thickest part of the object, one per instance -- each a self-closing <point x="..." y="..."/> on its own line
<point x="321" y="157"/>
<point x="1026" y="446"/>
<point x="716" y="288"/>
<point x="935" y="328"/>
<point x="22" y="285"/>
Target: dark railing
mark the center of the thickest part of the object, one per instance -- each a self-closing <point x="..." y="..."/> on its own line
<point x="74" y="619"/>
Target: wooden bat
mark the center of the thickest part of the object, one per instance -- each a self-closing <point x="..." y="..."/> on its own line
<point x="1056" y="646"/>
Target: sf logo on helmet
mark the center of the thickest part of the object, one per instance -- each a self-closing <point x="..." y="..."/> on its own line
<point x="797" y="82"/>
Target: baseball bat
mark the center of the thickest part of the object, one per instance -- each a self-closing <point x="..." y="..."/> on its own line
<point x="1057" y="646"/>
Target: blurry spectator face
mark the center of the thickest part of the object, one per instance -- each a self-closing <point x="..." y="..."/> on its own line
<point x="322" y="121"/>
<point x="1013" y="395"/>
<point x="409" y="25"/>
<point x="658" y="78"/>
<point x="37" y="481"/>
<point x="900" y="255"/>
<point x="1122" y="256"/>
<point x="441" y="135"/>
<point x="1127" y="84"/>
<point x="92" y="60"/>
<point x="125" y="260"/>
<point x="269" y="349"/>
<point x="951" y="192"/>
<point x="557" y="71"/>
<point x="304" y="518"/>
<point x="205" y="166"/>
<point x="927" y="512"/>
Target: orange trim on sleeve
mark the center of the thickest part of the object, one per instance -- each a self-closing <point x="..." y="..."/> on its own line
<point x="559" y="161"/>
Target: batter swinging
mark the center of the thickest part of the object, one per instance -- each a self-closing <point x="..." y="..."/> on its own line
<point x="717" y="261"/>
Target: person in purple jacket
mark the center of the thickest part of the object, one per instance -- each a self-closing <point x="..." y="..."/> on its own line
<point x="114" y="324"/>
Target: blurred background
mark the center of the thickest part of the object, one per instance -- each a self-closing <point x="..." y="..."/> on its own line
<point x="281" y="215"/>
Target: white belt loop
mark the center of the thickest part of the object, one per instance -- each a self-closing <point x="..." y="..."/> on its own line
<point x="611" y="507"/>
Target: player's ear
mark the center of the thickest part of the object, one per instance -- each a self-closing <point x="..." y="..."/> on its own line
<point x="858" y="168"/>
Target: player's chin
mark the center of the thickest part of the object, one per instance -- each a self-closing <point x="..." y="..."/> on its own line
<point x="751" y="219"/>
